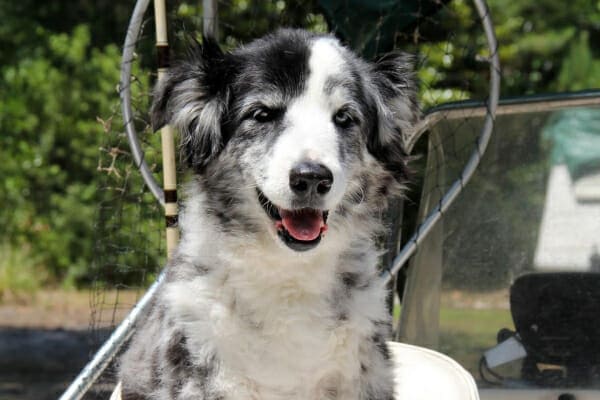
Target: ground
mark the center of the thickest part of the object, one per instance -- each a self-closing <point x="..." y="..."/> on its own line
<point x="47" y="337"/>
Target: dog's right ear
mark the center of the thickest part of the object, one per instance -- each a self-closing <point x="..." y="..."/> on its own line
<point x="193" y="97"/>
<point x="395" y="98"/>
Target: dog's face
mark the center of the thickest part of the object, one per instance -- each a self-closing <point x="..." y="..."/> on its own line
<point x="291" y="133"/>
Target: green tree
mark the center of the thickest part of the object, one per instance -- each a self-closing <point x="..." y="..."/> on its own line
<point x="49" y="139"/>
<point x="59" y="68"/>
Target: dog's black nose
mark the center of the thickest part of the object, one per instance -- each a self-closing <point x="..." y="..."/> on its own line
<point x="307" y="178"/>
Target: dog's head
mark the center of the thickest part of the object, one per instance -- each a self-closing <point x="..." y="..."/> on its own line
<point x="295" y="124"/>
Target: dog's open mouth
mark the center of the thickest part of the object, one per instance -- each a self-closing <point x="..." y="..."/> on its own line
<point x="300" y="229"/>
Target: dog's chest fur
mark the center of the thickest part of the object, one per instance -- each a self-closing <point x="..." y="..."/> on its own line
<point x="274" y="339"/>
<point x="257" y="328"/>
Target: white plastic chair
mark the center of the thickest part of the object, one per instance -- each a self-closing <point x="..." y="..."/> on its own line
<point x="420" y="374"/>
<point x="424" y="374"/>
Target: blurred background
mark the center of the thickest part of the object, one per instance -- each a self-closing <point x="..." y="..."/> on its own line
<point x="80" y="236"/>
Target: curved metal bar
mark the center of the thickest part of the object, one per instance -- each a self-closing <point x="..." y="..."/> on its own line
<point x="86" y="378"/>
<point x="102" y="358"/>
<point x="125" y="92"/>
<point x="507" y="106"/>
<point x="483" y="140"/>
<point x="123" y="332"/>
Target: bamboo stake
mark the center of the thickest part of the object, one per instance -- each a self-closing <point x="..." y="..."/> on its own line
<point x="167" y="134"/>
<point x="210" y="22"/>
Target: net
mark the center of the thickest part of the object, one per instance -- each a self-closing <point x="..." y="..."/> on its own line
<point x="452" y="63"/>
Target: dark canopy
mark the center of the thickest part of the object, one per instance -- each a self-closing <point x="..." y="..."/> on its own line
<point x="371" y="27"/>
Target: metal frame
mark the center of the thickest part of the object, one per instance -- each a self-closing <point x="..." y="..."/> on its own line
<point x="92" y="371"/>
<point x="515" y="105"/>
<point x="419" y="321"/>
<point x="128" y="56"/>
<point x="484" y="137"/>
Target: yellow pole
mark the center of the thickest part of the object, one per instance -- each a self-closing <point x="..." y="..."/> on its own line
<point x="167" y="134"/>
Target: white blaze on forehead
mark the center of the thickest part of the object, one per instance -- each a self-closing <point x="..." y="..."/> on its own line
<point x="310" y="134"/>
<point x="325" y="62"/>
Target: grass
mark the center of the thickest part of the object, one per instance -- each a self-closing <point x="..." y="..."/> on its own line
<point x="20" y="276"/>
<point x="466" y="333"/>
<point x="67" y="309"/>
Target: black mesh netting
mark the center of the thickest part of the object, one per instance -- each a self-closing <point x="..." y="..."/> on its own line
<point x="452" y="64"/>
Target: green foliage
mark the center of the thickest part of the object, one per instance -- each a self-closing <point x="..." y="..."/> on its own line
<point x="547" y="46"/>
<point x="580" y="70"/>
<point x="544" y="47"/>
<point x="19" y="273"/>
<point x="49" y="139"/>
<point x="59" y="69"/>
<point x="243" y="20"/>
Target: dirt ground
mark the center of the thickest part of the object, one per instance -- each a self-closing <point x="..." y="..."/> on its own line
<point x="46" y="338"/>
<point x="69" y="310"/>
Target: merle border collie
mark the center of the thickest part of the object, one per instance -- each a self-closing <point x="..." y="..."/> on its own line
<point x="295" y="146"/>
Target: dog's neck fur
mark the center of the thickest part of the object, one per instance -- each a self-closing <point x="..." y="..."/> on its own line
<point x="261" y="297"/>
<point x="262" y="256"/>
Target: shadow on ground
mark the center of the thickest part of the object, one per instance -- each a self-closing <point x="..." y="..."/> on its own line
<point x="39" y="364"/>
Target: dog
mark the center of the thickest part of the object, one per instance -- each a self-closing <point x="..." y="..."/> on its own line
<point x="295" y="146"/>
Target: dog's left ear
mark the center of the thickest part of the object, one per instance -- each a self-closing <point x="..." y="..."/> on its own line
<point x="193" y="96"/>
<point x="397" y="111"/>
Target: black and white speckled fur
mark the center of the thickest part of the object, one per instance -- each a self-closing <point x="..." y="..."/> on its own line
<point x="241" y="315"/>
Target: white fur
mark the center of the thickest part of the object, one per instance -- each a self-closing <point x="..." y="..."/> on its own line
<point x="302" y="354"/>
<point x="297" y="353"/>
<point x="311" y="134"/>
<point x="266" y="321"/>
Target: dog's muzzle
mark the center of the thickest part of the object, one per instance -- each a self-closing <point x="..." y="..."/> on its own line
<point x="302" y="227"/>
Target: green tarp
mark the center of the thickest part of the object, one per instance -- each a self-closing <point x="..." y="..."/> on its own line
<point x="575" y="138"/>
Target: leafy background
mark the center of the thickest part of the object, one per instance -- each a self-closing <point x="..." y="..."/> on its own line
<point x="59" y="72"/>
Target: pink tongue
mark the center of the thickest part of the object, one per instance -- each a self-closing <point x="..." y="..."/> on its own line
<point x="303" y="224"/>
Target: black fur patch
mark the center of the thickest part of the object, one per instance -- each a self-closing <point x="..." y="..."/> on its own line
<point x="126" y="395"/>
<point x="177" y="353"/>
<point x="200" y="81"/>
<point x="350" y="279"/>
<point x="379" y="341"/>
<point x="395" y="82"/>
<point x="155" y="378"/>
<point x="221" y="186"/>
<point x="289" y="48"/>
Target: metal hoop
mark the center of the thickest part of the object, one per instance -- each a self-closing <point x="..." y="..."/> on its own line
<point x="125" y="93"/>
<point x="102" y="358"/>
<point x="483" y="140"/>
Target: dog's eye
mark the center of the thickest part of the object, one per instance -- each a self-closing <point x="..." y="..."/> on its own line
<point x="264" y="114"/>
<point x="343" y="119"/>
